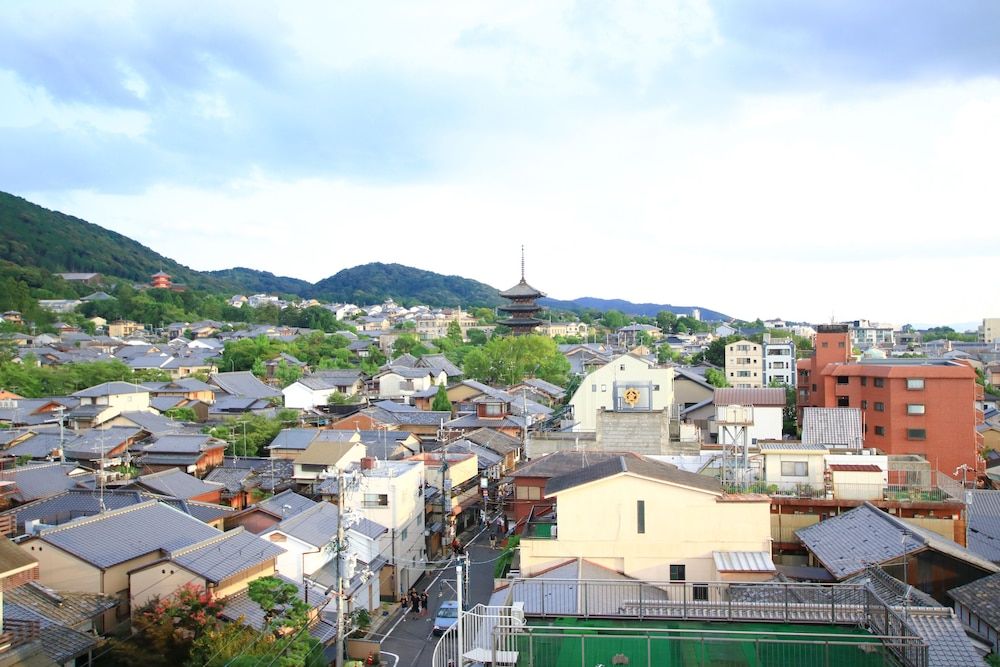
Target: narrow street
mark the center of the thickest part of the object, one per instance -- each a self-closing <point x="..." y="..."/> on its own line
<point x="411" y="639"/>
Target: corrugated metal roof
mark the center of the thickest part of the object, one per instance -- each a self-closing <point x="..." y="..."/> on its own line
<point x="761" y="397"/>
<point x="791" y="447"/>
<point x="743" y="561"/>
<point x="984" y="523"/>
<point x="832" y="426"/>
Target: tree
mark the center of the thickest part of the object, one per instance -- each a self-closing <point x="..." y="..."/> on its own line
<point x="614" y="319"/>
<point x="455" y="332"/>
<point x="667" y="321"/>
<point x="169" y="626"/>
<point x="716" y="377"/>
<point x="508" y="360"/>
<point x="280" y="602"/>
<point x="441" y="402"/>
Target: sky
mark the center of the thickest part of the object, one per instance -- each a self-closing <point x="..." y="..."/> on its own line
<point x="814" y="161"/>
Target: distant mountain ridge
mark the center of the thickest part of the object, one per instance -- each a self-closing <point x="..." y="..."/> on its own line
<point x="31" y="235"/>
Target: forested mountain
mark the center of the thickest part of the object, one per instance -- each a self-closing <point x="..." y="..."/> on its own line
<point x="39" y="240"/>
<point x="373" y="283"/>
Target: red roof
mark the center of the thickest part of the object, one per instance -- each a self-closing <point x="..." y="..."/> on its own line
<point x="855" y="467"/>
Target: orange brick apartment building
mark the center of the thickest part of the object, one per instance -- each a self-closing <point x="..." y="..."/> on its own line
<point x="908" y="406"/>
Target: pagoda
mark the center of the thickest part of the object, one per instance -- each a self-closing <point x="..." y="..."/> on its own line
<point x="523" y="306"/>
<point x="161" y="280"/>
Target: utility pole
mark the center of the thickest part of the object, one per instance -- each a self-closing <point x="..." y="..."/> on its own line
<point x="340" y="566"/>
<point x="460" y="589"/>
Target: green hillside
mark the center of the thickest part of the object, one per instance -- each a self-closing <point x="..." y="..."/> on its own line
<point x="252" y="281"/>
<point x="373" y="283"/>
<point x="34" y="236"/>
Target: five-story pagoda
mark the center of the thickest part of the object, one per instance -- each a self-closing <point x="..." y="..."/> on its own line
<point x="523" y="307"/>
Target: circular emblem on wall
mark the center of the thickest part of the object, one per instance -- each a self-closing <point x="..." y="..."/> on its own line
<point x="631" y="396"/>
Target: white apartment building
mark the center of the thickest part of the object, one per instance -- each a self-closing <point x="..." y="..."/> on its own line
<point x="989" y="332"/>
<point x="866" y="334"/>
<point x="625" y="384"/>
<point x="779" y="360"/>
<point x="392" y="494"/>
<point x="745" y="365"/>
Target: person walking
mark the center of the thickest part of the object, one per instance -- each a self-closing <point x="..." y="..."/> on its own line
<point x="404" y="603"/>
<point x="415" y="604"/>
<point x="493" y="540"/>
<point x="423" y="603"/>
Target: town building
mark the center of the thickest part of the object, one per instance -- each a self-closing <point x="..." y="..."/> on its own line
<point x="779" y="361"/>
<point x="745" y="364"/>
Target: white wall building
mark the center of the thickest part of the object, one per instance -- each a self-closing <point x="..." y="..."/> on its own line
<point x="779" y="360"/>
<point x="625" y="384"/>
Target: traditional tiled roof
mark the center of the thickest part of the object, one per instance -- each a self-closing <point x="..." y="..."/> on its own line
<point x="317" y="525"/>
<point x="832" y="426"/>
<point x="982" y="596"/>
<point x="182" y="443"/>
<point x="153" y="423"/>
<point x="36" y="481"/>
<point x="632" y="464"/>
<point x="38" y="446"/>
<point x="121" y="535"/>
<point x="286" y="504"/>
<point x="475" y="421"/>
<point x="224" y="555"/>
<point x="438" y="363"/>
<point x="243" y="383"/>
<point x="176" y="483"/>
<point x="110" y="389"/>
<point x="64" y="607"/>
<point x="948" y="645"/>
<point x="294" y="438"/>
<point x="239" y="606"/>
<point x="983" y="533"/>
<point x="561" y="463"/>
<point x="791" y="446"/>
<point x="494" y="440"/>
<point x="60" y="643"/>
<point x="848" y="543"/>
<point x="91" y="445"/>
<point x="323" y="452"/>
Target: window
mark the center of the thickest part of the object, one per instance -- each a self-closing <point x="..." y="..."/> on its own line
<point x="814" y="387"/>
<point x="864" y="405"/>
<point x="843" y="401"/>
<point x="640" y="513"/>
<point x="914" y="408"/>
<point x="656" y="387"/>
<point x="880" y="430"/>
<point x="622" y="367"/>
<point x="699" y="592"/>
<point x="795" y="468"/>
<point x="841" y="344"/>
<point x="376" y="500"/>
<point x="604" y="387"/>
<point x="842" y="379"/>
<point x="914" y="383"/>
<point x="743" y="374"/>
<point x="825" y="344"/>
<point x="879" y="406"/>
<point x="677" y="573"/>
<point x="878" y="382"/>
<point x="402" y="534"/>
<point x="493" y="410"/>
<point x="593" y="387"/>
<point x="916" y="434"/>
<point x="528" y="493"/>
<point x="864" y="381"/>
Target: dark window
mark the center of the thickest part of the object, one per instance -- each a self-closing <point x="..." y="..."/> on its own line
<point x="864" y="381"/>
<point x="814" y="387"/>
<point x="880" y="430"/>
<point x="699" y="592"/>
<point x="677" y="573"/>
<point x="825" y="344"/>
<point x="842" y="379"/>
<point x="864" y="405"/>
<point x="841" y="344"/>
<point x="916" y="434"/>
<point x="640" y="512"/>
<point x="878" y="382"/>
<point x="843" y="402"/>
<point x="879" y="406"/>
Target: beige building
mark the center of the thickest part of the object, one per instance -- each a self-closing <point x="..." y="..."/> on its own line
<point x="124" y="328"/>
<point x="647" y="520"/>
<point x="553" y="329"/>
<point x="793" y="466"/>
<point x="625" y="384"/>
<point x="989" y="332"/>
<point x="324" y="458"/>
<point x="745" y="364"/>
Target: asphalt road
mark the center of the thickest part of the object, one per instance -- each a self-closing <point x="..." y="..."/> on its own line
<point x="410" y="638"/>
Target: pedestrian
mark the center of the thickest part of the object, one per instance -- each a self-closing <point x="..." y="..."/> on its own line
<point x="493" y="540"/>
<point x="415" y="604"/>
<point x="423" y="603"/>
<point x="404" y="603"/>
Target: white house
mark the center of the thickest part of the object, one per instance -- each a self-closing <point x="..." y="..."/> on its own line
<point x="316" y="389"/>
<point x="627" y="383"/>
<point x="759" y="411"/>
<point x="401" y="381"/>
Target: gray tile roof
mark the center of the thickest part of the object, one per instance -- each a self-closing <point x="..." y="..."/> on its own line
<point x="494" y="440"/>
<point x="632" y="464"/>
<point x="792" y="446"/>
<point x="164" y="403"/>
<point x="983" y="531"/>
<point x="832" y="426"/>
<point x="121" y="535"/>
<point x="850" y="542"/>
<point x="64" y="607"/>
<point x="225" y="555"/>
<point x="948" y="645"/>
<point x="60" y="643"/>
<point x="153" y="423"/>
<point x="182" y="443"/>
<point x="176" y="483"/>
<point x="239" y="606"/>
<point x="318" y="525"/>
<point x="762" y="397"/>
<point x="286" y="504"/>
<point x="295" y="438"/>
<point x="475" y="421"/>
<point x="91" y="445"/>
<point x="982" y="597"/>
<point x="438" y="363"/>
<point x="562" y="462"/>
<point x="110" y="388"/>
<point x="891" y="590"/>
<point x="38" y="446"/>
<point x="182" y="385"/>
<point x="226" y="404"/>
<point x="243" y="383"/>
<point x="42" y="480"/>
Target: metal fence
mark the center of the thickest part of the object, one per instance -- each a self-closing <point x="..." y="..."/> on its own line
<point x="501" y="636"/>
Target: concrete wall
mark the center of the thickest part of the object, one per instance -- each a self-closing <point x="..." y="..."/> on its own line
<point x="598" y="522"/>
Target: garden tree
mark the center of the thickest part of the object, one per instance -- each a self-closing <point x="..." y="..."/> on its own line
<point x="477" y="336"/>
<point x="167" y="628"/>
<point x="715" y="354"/>
<point x="258" y="368"/>
<point x="716" y="377"/>
<point x="441" y="402"/>
<point x="571" y="386"/>
<point x="667" y="321"/>
<point x="484" y="315"/>
<point x="150" y="375"/>
<point x="280" y="603"/>
<point x="455" y="333"/>
<point x="666" y="354"/>
<point x="181" y="414"/>
<point x="409" y="344"/>
<point x="508" y="360"/>
<point x="789" y="416"/>
<point x="318" y="346"/>
<point x="286" y="373"/>
<point x="614" y="320"/>
<point x="240" y="355"/>
<point x="337" y="398"/>
<point x="33" y="381"/>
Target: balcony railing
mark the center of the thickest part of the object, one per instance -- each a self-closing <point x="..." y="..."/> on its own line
<point x="500" y="634"/>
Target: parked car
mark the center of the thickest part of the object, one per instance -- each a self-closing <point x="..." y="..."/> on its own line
<point x="447" y="616"/>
